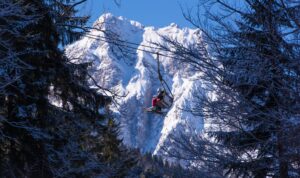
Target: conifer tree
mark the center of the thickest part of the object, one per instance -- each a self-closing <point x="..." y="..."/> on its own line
<point x="251" y="67"/>
<point x="48" y="110"/>
<point x="261" y="66"/>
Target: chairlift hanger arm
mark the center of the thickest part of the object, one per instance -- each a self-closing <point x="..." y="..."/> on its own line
<point x="158" y="68"/>
<point x="163" y="83"/>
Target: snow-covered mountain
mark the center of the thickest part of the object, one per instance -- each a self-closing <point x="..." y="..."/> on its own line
<point x="131" y="70"/>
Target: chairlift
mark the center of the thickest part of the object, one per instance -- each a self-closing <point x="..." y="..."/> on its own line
<point x="167" y="97"/>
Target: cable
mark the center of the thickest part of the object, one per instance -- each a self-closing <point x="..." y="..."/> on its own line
<point x="115" y="41"/>
<point x="128" y="42"/>
<point x="105" y="39"/>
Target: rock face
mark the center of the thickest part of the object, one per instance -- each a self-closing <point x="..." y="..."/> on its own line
<point x="121" y="60"/>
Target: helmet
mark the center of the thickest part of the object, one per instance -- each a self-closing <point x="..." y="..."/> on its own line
<point x="160" y="90"/>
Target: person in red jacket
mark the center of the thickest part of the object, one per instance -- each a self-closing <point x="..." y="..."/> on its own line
<point x="155" y="101"/>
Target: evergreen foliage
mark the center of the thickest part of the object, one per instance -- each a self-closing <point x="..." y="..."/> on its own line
<point x="149" y="166"/>
<point x="251" y="69"/>
<point x="261" y="66"/>
<point x="49" y="123"/>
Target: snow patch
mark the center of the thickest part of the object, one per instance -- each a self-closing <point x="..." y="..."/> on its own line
<point x="134" y="72"/>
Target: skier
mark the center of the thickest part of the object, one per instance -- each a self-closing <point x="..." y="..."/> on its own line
<point x="157" y="101"/>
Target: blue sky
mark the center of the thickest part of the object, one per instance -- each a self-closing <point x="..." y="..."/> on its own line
<point x="156" y="13"/>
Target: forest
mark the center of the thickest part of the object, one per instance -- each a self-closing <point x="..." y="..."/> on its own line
<point x="58" y="120"/>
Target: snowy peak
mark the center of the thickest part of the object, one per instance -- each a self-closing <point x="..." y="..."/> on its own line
<point x="109" y="20"/>
<point x="124" y="59"/>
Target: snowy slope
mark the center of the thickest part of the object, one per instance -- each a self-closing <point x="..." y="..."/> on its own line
<point x="134" y="72"/>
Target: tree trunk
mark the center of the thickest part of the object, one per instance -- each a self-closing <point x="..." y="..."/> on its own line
<point x="283" y="165"/>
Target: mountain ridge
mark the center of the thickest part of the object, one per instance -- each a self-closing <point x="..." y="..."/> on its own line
<point x="131" y="68"/>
